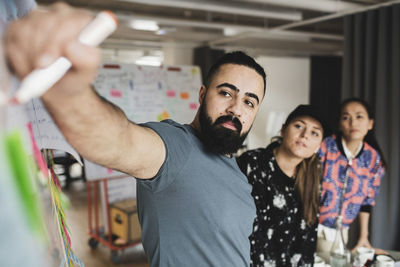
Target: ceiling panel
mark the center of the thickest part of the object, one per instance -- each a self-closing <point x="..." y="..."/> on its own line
<point x="290" y="26"/>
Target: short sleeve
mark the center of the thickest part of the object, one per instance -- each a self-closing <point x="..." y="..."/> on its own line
<point x="374" y="182"/>
<point x="178" y="143"/>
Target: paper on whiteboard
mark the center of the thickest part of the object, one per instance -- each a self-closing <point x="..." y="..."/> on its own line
<point x="137" y="90"/>
<point x="182" y="90"/>
<point x="46" y="132"/>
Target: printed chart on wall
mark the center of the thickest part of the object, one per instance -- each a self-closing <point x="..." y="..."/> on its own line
<point x="182" y="86"/>
<point x="147" y="93"/>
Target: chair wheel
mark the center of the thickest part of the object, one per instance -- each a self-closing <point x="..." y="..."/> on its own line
<point x="93" y="243"/>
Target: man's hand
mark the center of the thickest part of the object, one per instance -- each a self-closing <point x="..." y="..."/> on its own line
<point x="98" y="130"/>
<point x="39" y="39"/>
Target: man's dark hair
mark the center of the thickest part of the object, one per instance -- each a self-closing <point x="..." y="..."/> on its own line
<point x="238" y="58"/>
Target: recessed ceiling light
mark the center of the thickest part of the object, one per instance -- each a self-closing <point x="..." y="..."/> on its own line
<point x="144" y="25"/>
<point x="231" y="31"/>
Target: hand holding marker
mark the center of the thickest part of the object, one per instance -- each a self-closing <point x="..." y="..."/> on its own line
<point x="39" y="81"/>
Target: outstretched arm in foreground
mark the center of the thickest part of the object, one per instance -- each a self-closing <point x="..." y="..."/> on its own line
<point x="98" y="130"/>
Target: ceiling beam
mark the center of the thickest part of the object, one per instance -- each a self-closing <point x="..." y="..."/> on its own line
<point x="328" y="6"/>
<point x="249" y="30"/>
<point x="222" y="8"/>
<point x="333" y="16"/>
<point x="284" y="28"/>
<point x="282" y="35"/>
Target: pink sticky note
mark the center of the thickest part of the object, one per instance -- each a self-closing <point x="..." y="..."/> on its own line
<point x="38" y="156"/>
<point x="109" y="171"/>
<point x="193" y="106"/>
<point x="116" y="93"/>
<point x="171" y="93"/>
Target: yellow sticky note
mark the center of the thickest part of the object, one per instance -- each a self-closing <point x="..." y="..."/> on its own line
<point x="195" y="71"/>
<point x="165" y="115"/>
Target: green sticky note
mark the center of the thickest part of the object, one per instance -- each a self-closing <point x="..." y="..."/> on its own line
<point x="20" y="165"/>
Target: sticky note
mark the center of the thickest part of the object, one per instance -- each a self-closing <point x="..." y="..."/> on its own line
<point x="36" y="151"/>
<point x="171" y="93"/>
<point x="21" y="169"/>
<point x="184" y="95"/>
<point x="165" y="115"/>
<point x="116" y="93"/>
<point x="193" y="106"/>
<point x="111" y="66"/>
<point x="174" y="69"/>
<point x="195" y="71"/>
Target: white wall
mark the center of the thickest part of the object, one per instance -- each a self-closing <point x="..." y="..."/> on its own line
<point x="178" y="55"/>
<point x="288" y="85"/>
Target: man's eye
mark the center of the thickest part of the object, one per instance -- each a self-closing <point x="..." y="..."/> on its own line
<point x="249" y="103"/>
<point x="225" y="93"/>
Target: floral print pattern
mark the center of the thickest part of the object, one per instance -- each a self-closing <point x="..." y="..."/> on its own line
<point x="280" y="235"/>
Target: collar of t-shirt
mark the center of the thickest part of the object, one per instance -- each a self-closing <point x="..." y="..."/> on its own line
<point x="350" y="156"/>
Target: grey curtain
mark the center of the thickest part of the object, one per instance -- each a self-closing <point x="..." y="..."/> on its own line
<point x="371" y="70"/>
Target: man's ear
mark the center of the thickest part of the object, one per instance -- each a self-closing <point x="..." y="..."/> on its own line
<point x="202" y="94"/>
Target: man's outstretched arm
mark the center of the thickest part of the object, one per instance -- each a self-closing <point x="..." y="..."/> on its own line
<point x="98" y="130"/>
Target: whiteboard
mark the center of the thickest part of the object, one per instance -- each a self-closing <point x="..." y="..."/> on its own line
<point x="147" y="93"/>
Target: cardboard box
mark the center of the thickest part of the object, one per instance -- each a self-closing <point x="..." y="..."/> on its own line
<point x="124" y="220"/>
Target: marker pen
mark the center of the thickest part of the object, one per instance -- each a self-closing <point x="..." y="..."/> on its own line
<point x="40" y="80"/>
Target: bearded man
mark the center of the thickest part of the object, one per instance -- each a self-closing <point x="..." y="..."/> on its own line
<point x="194" y="203"/>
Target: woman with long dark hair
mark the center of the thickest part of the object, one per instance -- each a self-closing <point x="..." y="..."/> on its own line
<point x="286" y="179"/>
<point x="353" y="166"/>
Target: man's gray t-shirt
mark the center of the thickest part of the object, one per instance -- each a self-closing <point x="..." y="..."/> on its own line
<point x="198" y="210"/>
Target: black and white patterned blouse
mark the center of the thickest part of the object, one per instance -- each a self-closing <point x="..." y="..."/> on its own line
<point x="280" y="235"/>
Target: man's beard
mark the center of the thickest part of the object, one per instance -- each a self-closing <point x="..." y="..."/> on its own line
<point x="218" y="139"/>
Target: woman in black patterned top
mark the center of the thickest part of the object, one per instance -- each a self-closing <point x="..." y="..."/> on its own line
<point x="286" y="178"/>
